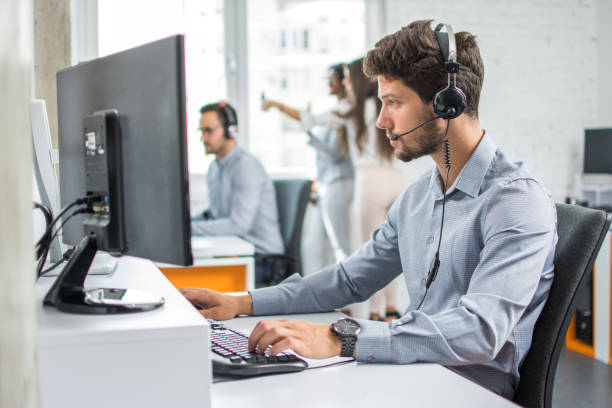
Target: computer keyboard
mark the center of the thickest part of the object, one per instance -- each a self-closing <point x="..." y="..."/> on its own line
<point x="231" y="356"/>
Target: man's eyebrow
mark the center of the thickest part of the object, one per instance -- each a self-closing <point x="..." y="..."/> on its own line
<point x="389" y="95"/>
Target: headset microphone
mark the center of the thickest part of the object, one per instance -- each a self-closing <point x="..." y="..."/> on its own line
<point x="395" y="137"/>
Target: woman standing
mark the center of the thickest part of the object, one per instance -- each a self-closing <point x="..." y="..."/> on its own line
<point x="378" y="180"/>
<point x="335" y="174"/>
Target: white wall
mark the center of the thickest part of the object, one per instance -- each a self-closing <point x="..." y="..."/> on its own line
<point x="18" y="370"/>
<point x="541" y="83"/>
<point x="604" y="53"/>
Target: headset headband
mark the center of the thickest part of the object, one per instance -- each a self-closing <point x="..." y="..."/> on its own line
<point x="448" y="46"/>
<point x="229" y="115"/>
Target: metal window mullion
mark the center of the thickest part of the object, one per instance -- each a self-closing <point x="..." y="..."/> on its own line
<point x="236" y="63"/>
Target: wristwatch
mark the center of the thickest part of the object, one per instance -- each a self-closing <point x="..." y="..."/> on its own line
<point x="346" y="329"/>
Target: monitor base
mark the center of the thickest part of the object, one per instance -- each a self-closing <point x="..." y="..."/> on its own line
<point x="68" y="293"/>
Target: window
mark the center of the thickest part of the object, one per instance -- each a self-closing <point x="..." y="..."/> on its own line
<point x="291" y="45"/>
<point x="126" y="24"/>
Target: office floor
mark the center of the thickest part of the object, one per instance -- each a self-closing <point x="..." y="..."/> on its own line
<point x="582" y="382"/>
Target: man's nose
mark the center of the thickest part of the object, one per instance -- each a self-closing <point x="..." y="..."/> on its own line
<point x="382" y="122"/>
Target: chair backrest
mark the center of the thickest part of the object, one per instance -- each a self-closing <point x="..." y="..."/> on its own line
<point x="292" y="197"/>
<point x="581" y="233"/>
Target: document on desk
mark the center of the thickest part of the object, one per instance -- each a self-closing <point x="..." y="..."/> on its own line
<point x="325" y="362"/>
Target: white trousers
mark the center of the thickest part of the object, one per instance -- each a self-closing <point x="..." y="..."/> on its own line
<point x="377" y="187"/>
<point x="334" y="200"/>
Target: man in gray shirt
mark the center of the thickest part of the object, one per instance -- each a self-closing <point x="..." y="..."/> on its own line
<point x="495" y="247"/>
<point x="242" y="200"/>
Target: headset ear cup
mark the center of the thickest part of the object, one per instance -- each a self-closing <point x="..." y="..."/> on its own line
<point x="449" y="103"/>
<point x="231" y="132"/>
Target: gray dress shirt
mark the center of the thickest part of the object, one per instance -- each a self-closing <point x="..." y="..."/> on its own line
<point x="242" y="202"/>
<point x="496" y="270"/>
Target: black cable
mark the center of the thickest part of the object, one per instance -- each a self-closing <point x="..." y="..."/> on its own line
<point x="79" y="201"/>
<point x="43" y="259"/>
<point x="46" y="211"/>
<point x="44" y="244"/>
<point x="44" y="239"/>
<point x="433" y="271"/>
<point x="65" y="256"/>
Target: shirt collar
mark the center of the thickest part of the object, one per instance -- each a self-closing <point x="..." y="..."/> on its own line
<point x="473" y="172"/>
<point x="231" y="156"/>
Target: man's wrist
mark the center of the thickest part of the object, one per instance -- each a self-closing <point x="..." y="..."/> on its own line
<point x="245" y="305"/>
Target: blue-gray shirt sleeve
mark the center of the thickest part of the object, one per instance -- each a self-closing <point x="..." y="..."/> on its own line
<point x="369" y="269"/>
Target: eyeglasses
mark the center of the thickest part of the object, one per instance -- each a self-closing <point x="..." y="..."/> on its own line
<point x="208" y="129"/>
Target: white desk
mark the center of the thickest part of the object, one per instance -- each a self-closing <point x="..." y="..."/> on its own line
<point x="151" y="359"/>
<point x="158" y="359"/>
<point x="353" y="384"/>
<point x="215" y="252"/>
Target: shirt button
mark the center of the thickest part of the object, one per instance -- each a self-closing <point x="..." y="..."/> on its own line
<point x="423" y="281"/>
<point x="371" y="359"/>
<point x="431" y="240"/>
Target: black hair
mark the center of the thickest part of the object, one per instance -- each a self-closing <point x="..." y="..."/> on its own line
<point x="338" y="69"/>
<point x="223" y="110"/>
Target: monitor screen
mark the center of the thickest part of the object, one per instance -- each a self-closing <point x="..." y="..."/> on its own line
<point x="598" y="151"/>
<point x="144" y="89"/>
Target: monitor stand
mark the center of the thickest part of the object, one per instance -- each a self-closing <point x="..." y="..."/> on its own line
<point x="68" y="293"/>
<point x="102" y="264"/>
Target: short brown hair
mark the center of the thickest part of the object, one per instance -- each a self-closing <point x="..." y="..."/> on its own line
<point x="413" y="55"/>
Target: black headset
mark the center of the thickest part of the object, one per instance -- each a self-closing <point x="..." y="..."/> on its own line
<point x="449" y="102"/>
<point x="230" y="123"/>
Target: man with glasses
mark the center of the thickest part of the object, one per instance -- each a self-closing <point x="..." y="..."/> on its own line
<point x="242" y="200"/>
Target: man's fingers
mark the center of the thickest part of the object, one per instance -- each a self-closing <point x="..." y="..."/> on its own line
<point x="198" y="296"/>
<point x="256" y="334"/>
<point x="271" y="337"/>
<point x="212" y="313"/>
<point x="284" y="344"/>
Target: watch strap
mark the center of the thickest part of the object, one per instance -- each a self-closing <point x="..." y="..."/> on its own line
<point x="348" y="346"/>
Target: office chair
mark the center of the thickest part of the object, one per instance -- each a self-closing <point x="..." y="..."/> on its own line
<point x="292" y="197"/>
<point x="581" y="233"/>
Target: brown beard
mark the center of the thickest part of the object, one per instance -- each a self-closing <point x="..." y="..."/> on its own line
<point x="428" y="140"/>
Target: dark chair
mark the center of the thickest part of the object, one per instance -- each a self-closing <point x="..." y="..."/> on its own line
<point x="292" y="197"/>
<point x="581" y="233"/>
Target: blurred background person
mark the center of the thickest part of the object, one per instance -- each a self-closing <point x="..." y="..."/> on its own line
<point x="240" y="192"/>
<point x="335" y="174"/>
<point x="378" y="179"/>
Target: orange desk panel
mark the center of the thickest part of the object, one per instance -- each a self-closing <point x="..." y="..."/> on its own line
<point x="230" y="278"/>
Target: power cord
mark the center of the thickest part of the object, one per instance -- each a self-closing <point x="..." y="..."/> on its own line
<point x="44" y="244"/>
<point x="44" y="240"/>
<point x="41" y="262"/>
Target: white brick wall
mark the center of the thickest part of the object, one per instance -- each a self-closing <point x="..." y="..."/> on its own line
<point x="541" y="83"/>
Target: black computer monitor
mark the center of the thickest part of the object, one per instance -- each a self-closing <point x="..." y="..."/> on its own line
<point x="123" y="144"/>
<point x="598" y="151"/>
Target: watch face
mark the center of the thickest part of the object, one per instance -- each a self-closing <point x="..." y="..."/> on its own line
<point x="346" y="327"/>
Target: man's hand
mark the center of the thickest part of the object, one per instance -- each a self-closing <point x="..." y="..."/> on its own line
<point x="218" y="306"/>
<point x="307" y="339"/>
